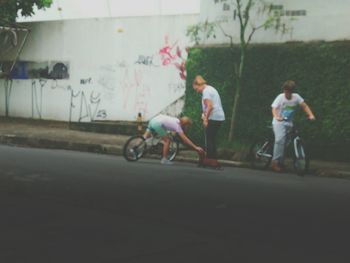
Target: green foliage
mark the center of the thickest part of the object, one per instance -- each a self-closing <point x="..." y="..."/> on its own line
<point x="272" y="19"/>
<point x="221" y="77"/>
<point x="321" y="71"/>
<point x="197" y="31"/>
<point x="9" y="8"/>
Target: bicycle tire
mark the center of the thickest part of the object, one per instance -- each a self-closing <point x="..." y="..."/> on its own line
<point x="300" y="159"/>
<point x="261" y="154"/>
<point x="173" y="149"/>
<point x="134" y="148"/>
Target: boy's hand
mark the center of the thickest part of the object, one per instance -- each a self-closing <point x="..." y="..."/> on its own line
<point x="205" y="123"/>
<point x="311" y="117"/>
<point x="200" y="150"/>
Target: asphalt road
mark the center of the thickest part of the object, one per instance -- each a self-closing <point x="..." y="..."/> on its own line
<point x="61" y="206"/>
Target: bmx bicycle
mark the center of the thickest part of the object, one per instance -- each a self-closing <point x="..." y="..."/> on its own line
<point x="137" y="146"/>
<point x="261" y="152"/>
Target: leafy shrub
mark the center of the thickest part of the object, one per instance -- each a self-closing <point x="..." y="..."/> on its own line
<point x="320" y="69"/>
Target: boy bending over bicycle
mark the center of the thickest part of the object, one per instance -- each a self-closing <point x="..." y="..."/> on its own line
<point x="283" y="109"/>
<point x="162" y="124"/>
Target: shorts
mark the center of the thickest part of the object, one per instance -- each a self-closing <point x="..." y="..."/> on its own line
<point x="156" y="126"/>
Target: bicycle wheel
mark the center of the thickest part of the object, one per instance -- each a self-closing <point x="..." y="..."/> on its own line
<point x="134" y="148"/>
<point x="261" y="154"/>
<point x="300" y="160"/>
<point x="173" y="150"/>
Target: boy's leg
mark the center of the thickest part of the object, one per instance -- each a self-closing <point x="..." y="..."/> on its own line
<point x="147" y="134"/>
<point x="166" y="145"/>
<point x="280" y="132"/>
<point x="160" y="131"/>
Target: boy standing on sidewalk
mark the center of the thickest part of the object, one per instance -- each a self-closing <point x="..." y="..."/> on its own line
<point x="283" y="109"/>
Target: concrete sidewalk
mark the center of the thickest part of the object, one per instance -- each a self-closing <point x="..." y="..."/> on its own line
<point x="58" y="135"/>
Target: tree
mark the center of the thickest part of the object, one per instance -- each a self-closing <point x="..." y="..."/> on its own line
<point x="270" y="17"/>
<point x="10" y="8"/>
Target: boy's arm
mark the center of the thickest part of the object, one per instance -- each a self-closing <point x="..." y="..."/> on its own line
<point x="308" y="111"/>
<point x="187" y="141"/>
<point x="276" y="115"/>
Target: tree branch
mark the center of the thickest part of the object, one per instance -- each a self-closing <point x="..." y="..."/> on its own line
<point x="241" y="22"/>
<point x="239" y="12"/>
<point x="246" y="13"/>
<point x="254" y="29"/>
<point x="226" y="35"/>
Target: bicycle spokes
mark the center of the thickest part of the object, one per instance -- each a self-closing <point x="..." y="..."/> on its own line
<point x="261" y="154"/>
<point x="134" y="148"/>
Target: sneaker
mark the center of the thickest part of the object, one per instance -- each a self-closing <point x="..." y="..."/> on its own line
<point x="165" y="161"/>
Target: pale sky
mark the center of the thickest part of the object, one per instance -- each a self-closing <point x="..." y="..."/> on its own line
<point x="75" y="9"/>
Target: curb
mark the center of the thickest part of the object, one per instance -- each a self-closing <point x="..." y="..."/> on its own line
<point x="332" y="173"/>
<point x="14" y="140"/>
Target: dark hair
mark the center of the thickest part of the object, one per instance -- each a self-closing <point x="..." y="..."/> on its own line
<point x="289" y="85"/>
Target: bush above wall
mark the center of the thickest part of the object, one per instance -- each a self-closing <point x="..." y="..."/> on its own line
<point x="321" y="71"/>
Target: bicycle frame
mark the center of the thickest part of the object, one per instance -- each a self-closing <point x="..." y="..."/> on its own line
<point x="294" y="138"/>
<point x="137" y="146"/>
<point x="261" y="151"/>
<point x="155" y="139"/>
<point x="262" y="155"/>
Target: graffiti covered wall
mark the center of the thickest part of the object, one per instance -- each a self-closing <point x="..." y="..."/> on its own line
<point x="99" y="69"/>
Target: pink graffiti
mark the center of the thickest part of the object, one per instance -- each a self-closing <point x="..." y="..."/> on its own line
<point x="172" y="55"/>
<point x="132" y="84"/>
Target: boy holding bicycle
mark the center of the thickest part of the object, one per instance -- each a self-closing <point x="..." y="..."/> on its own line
<point x="283" y="109"/>
<point x="162" y="124"/>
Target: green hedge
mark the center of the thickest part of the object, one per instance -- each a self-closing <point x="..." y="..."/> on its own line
<point x="321" y="71"/>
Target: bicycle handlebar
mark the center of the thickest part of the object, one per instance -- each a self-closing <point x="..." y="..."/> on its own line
<point x="286" y="119"/>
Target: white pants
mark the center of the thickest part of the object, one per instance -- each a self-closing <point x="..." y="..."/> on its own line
<point x="281" y="130"/>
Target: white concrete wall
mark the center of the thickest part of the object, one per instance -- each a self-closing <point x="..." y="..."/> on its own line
<point x="78" y="9"/>
<point x="324" y="20"/>
<point x="117" y="68"/>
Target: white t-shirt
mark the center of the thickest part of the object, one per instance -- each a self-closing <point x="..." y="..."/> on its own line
<point x="217" y="114"/>
<point x="169" y="123"/>
<point x="287" y="108"/>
